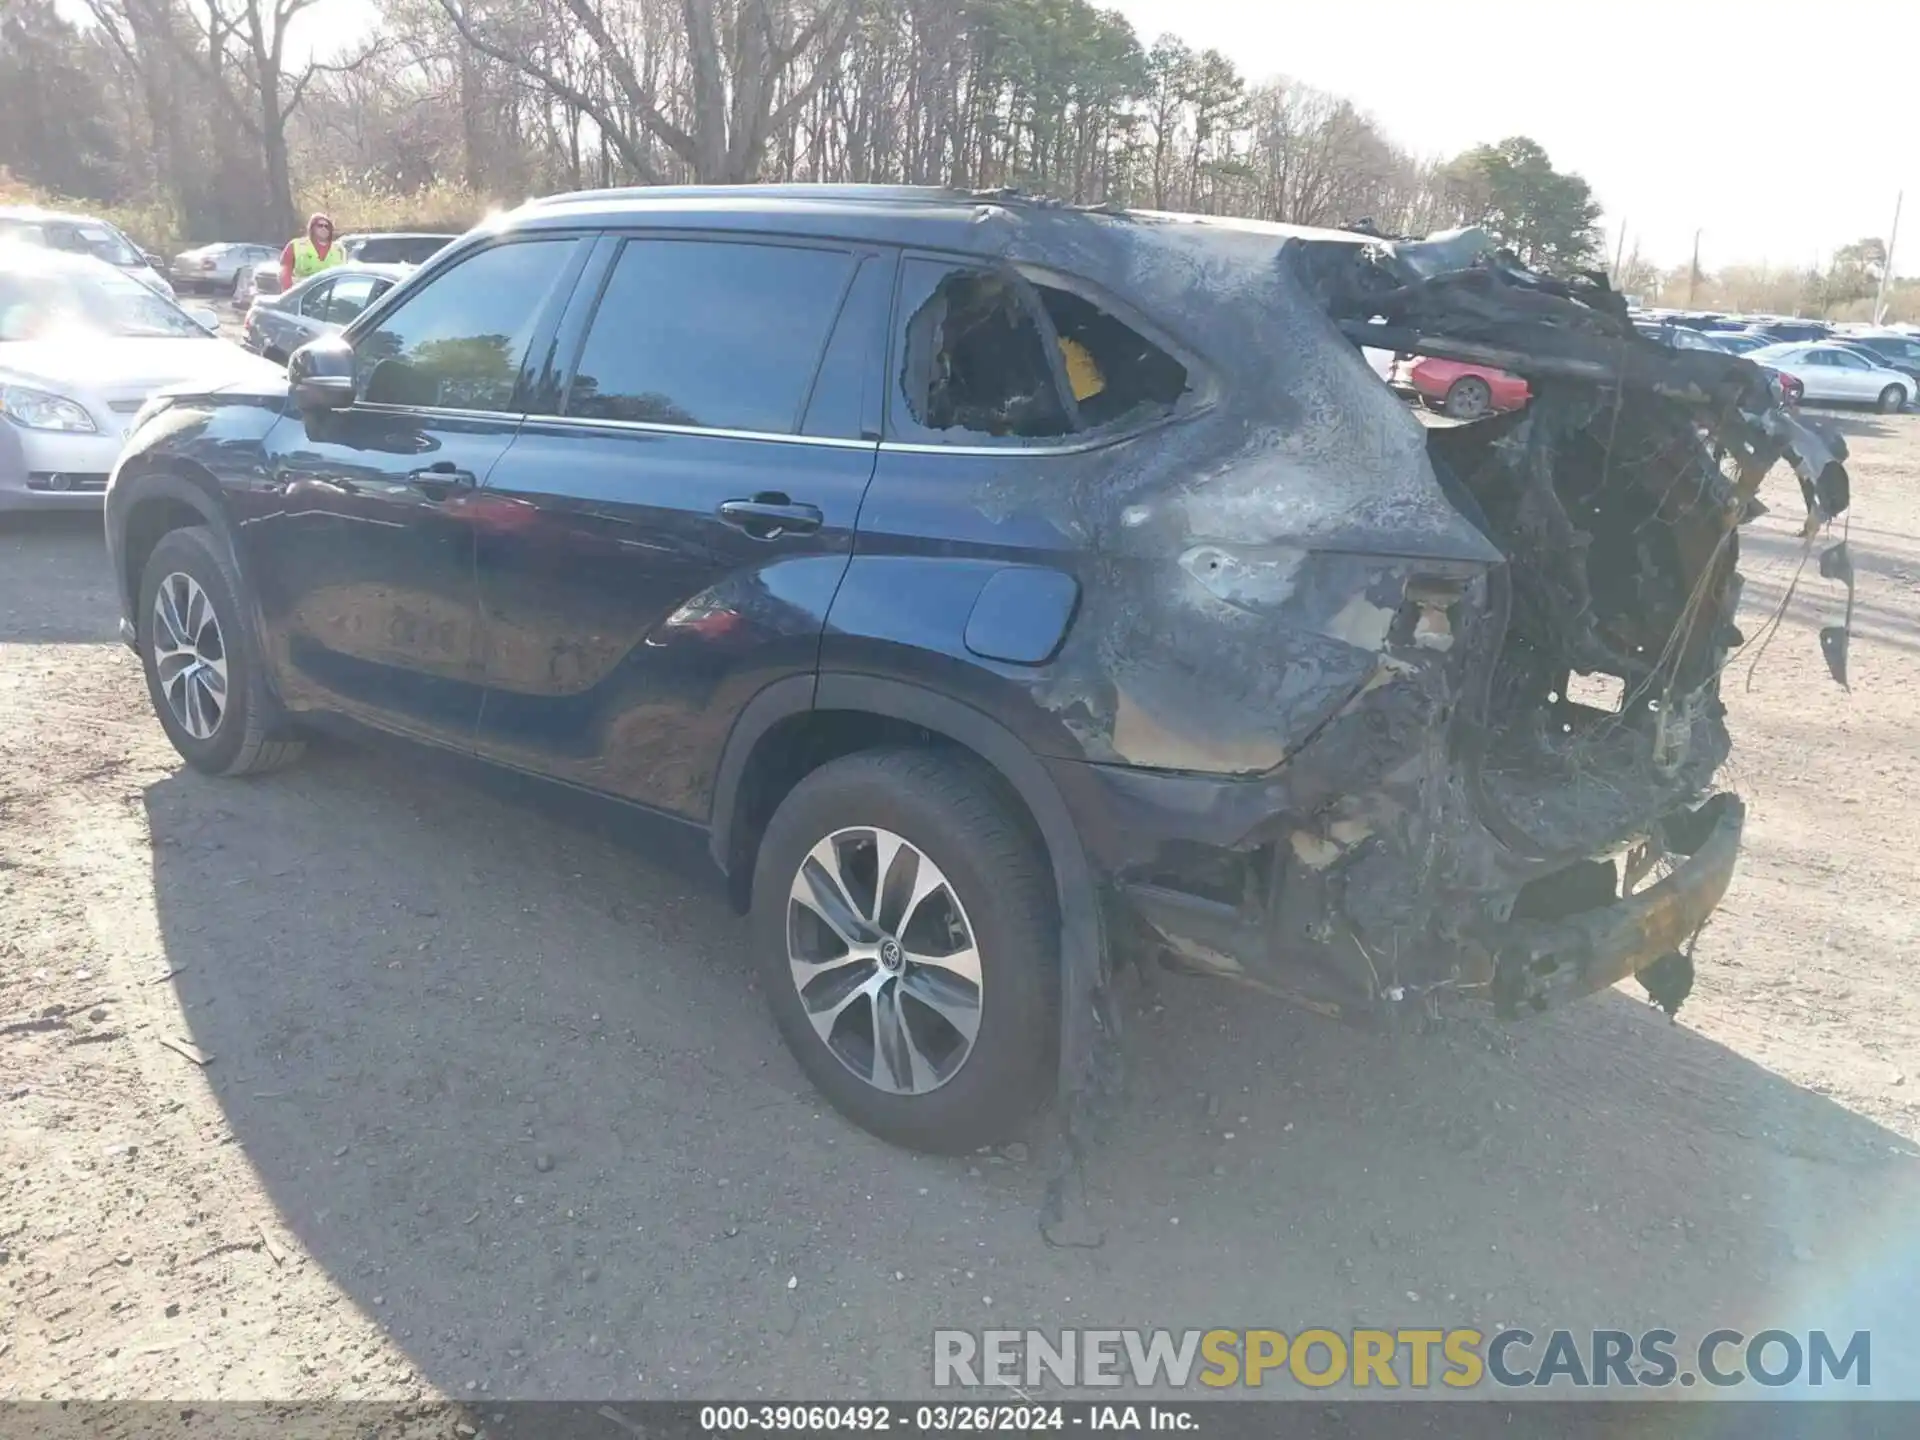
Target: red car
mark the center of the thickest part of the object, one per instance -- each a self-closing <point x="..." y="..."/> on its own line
<point x="1466" y="392"/>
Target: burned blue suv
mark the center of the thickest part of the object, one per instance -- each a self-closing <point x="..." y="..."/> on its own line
<point x="1003" y="591"/>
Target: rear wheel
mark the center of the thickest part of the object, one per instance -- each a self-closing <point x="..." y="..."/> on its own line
<point x="1892" y="400"/>
<point x="1468" y="398"/>
<point x="203" y="668"/>
<point x="902" y="927"/>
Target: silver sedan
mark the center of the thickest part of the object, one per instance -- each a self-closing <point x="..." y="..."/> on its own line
<point x="277" y="325"/>
<point x="217" y="266"/>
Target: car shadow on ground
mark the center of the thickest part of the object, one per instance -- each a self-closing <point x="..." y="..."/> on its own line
<point x="59" y="559"/>
<point x="507" y="1080"/>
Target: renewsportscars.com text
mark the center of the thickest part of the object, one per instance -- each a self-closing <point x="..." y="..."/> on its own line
<point x="1411" y="1359"/>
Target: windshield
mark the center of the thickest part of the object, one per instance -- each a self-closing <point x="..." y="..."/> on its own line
<point x="47" y="304"/>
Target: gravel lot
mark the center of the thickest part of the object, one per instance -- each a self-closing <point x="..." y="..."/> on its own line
<point x="489" y="1107"/>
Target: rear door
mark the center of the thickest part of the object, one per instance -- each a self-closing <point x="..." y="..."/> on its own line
<point x="1817" y="374"/>
<point x="665" y="539"/>
<point x="360" y="538"/>
<point x="1858" y="380"/>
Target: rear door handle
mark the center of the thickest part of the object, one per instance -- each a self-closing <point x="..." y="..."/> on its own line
<point x="441" y="479"/>
<point x="770" y="515"/>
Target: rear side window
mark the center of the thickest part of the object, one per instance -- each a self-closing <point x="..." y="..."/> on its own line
<point x="351" y="295"/>
<point x="721" y="335"/>
<point x="313" y="300"/>
<point x="973" y="364"/>
<point x="989" y="355"/>
<point x="458" y="342"/>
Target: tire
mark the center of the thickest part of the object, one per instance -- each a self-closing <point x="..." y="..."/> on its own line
<point x="241" y="732"/>
<point x="1893" y="400"/>
<point x="954" y="812"/>
<point x="1468" y="398"/>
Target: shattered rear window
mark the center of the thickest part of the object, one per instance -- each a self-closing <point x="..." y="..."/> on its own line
<point x="1128" y="374"/>
<point x="975" y="362"/>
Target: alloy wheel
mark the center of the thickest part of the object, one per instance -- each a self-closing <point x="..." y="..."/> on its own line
<point x="884" y="958"/>
<point x="189" y="655"/>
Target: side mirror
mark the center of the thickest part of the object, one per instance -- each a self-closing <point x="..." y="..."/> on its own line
<point x="154" y="262"/>
<point x="320" y="374"/>
<point x="204" y="317"/>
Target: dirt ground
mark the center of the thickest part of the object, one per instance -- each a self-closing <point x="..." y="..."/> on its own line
<point x="488" y="1107"/>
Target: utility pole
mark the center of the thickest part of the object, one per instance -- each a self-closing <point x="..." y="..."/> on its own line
<point x="1693" y="272"/>
<point x="1886" y="266"/>
<point x="1618" y="251"/>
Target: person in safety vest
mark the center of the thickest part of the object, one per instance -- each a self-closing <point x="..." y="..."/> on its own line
<point x="310" y="253"/>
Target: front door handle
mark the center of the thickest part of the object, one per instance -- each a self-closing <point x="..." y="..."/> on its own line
<point x="769" y="515"/>
<point x="440" y="479"/>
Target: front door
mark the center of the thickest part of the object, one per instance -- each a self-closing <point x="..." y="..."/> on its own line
<point x="360" y="540"/>
<point x="669" y="541"/>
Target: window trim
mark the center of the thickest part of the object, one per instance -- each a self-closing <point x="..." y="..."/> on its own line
<point x="546" y="321"/>
<point x="1202" y="393"/>
<point x="556" y="382"/>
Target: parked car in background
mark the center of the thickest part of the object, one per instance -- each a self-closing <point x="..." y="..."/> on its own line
<point x="83" y="235"/>
<point x="1466" y="392"/>
<point x="1678" y="336"/>
<point x="250" y="282"/>
<point x="277" y="325"/>
<point x="394" y="247"/>
<point x="373" y="248"/>
<point x="215" y="267"/>
<point x="1902" y="352"/>
<point x="82" y="347"/>
<point x="1739" y="342"/>
<point x="1781" y="331"/>
<point x="1830" y="372"/>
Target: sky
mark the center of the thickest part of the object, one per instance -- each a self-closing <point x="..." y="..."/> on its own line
<point x="1766" y="126"/>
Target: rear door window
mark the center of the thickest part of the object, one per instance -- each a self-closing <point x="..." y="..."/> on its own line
<point x="994" y="356"/>
<point x="721" y="335"/>
<point x="972" y="364"/>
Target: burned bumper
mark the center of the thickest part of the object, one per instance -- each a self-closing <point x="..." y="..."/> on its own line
<point x="1543" y="963"/>
<point x="1200" y="869"/>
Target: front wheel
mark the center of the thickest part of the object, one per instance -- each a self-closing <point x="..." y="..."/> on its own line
<point x="1893" y="399"/>
<point x="204" y="674"/>
<point x="903" y="929"/>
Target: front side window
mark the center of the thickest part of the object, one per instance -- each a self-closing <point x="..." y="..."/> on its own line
<point x="991" y="355"/>
<point x="723" y="335"/>
<point x="459" y="342"/>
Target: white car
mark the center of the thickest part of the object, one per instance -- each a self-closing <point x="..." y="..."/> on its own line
<point x="82" y="235"/>
<point x="217" y="266"/>
<point x="1838" y="372"/>
<point x="82" y="348"/>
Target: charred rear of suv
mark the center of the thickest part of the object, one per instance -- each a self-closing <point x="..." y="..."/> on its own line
<point x="1400" y="719"/>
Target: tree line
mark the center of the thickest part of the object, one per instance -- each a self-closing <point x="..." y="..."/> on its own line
<point x="199" y="113"/>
